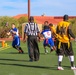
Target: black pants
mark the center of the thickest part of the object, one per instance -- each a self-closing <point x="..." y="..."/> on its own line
<point x="65" y="49"/>
<point x="33" y="48"/>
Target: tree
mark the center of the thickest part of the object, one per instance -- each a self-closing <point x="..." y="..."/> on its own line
<point x="5" y="19"/>
<point x="5" y="25"/>
<point x="22" y="20"/>
<point x="73" y="22"/>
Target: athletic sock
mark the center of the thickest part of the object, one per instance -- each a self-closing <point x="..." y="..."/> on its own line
<point x="72" y="64"/>
<point x="71" y="60"/>
<point x="59" y="63"/>
<point x="60" y="57"/>
<point x="20" y="49"/>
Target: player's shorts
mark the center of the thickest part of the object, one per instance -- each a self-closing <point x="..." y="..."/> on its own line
<point x="65" y="49"/>
<point x="16" y="41"/>
<point x="48" y="42"/>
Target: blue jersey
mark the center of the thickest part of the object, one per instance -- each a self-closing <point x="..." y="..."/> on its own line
<point x="16" y="41"/>
<point x="48" y="37"/>
<point x="16" y="38"/>
<point x="16" y="30"/>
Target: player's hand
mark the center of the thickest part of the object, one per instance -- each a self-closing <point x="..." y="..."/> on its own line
<point x="8" y="33"/>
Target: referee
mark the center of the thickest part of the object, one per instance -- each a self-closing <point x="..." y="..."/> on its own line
<point x="32" y="32"/>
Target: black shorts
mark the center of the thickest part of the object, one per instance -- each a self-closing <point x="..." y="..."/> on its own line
<point x="64" y="49"/>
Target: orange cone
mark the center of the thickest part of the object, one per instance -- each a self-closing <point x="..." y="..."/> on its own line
<point x="3" y="43"/>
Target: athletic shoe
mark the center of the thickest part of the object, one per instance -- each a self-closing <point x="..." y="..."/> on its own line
<point x="60" y="68"/>
<point x="73" y="68"/>
<point x="51" y="50"/>
<point x="46" y="51"/>
<point x="21" y="51"/>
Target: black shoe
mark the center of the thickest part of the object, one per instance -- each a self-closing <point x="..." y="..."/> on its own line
<point x="51" y="50"/>
<point x="21" y="51"/>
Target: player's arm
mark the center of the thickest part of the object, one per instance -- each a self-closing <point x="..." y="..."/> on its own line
<point x="11" y="31"/>
<point x="70" y="32"/>
<point x="14" y="32"/>
<point x="8" y="32"/>
<point x="56" y="34"/>
<point x="42" y="37"/>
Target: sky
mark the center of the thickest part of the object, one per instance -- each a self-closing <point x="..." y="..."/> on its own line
<point x="38" y="7"/>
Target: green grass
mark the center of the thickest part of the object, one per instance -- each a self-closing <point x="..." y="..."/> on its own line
<point x="12" y="63"/>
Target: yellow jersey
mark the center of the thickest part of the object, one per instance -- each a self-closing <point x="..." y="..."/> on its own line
<point x="62" y="31"/>
<point x="53" y="29"/>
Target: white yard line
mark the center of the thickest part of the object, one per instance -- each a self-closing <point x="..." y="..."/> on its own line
<point x="74" y="72"/>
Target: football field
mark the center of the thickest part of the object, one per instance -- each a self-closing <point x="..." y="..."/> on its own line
<point x="12" y="63"/>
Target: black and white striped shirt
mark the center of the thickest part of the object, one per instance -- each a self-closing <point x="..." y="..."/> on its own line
<point x="31" y="29"/>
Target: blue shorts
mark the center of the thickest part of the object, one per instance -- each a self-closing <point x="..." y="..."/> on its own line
<point x="16" y="41"/>
<point x="48" y="42"/>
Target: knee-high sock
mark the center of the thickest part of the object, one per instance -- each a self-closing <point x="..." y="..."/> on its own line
<point x="17" y="47"/>
<point x="71" y="60"/>
<point x="60" y="58"/>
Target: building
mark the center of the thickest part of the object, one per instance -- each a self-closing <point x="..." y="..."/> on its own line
<point x="42" y="18"/>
